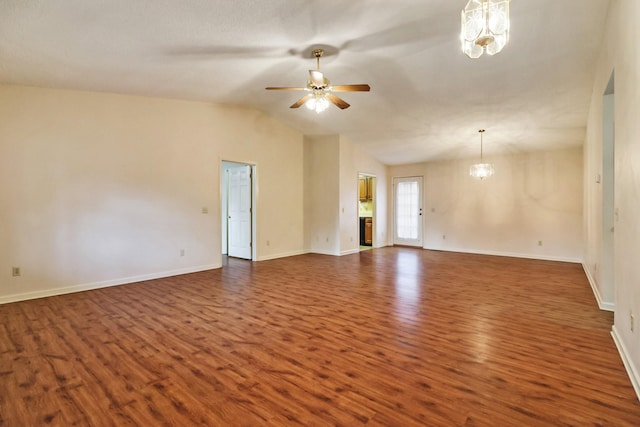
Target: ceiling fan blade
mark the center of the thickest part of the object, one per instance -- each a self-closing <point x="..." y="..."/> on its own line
<point x="301" y="101"/>
<point x="351" y="88"/>
<point x="284" y="88"/>
<point x="316" y="78"/>
<point x="339" y="102"/>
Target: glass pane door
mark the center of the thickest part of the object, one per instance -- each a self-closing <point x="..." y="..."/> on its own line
<point x="408" y="211"/>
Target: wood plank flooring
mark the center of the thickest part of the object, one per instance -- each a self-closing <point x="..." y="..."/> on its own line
<point x="387" y="337"/>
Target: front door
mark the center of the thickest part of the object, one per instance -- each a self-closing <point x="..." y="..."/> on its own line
<point x="239" y="212"/>
<point x="408" y="211"/>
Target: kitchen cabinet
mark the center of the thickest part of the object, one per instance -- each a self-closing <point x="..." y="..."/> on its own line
<point x="366" y="231"/>
<point x="366" y="188"/>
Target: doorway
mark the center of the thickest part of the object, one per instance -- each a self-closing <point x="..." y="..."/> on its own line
<point x="407" y="212"/>
<point x="366" y="210"/>
<point x="238" y="219"/>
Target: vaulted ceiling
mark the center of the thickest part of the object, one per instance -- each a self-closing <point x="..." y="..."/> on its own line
<point x="427" y="99"/>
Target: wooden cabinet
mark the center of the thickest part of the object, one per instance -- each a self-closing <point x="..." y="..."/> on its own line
<point x="366" y="188"/>
<point x="368" y="231"/>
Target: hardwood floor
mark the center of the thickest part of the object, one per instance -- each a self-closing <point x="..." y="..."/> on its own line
<point x="385" y="337"/>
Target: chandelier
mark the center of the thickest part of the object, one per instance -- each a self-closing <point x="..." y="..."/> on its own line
<point x="485" y="27"/>
<point x="481" y="170"/>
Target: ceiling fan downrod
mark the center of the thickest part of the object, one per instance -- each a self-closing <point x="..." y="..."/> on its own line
<point x="318" y="54"/>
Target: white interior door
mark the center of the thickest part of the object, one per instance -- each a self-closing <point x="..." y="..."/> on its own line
<point x="239" y="212"/>
<point x="408" y="211"/>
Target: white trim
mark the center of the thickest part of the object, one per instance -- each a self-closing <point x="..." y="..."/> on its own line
<point x="347" y="252"/>
<point x="626" y="360"/>
<point x="282" y="255"/>
<point x="97" y="285"/>
<point x="511" y="254"/>
<point x="321" y="252"/>
<point x="350" y="251"/>
<point x="607" y="306"/>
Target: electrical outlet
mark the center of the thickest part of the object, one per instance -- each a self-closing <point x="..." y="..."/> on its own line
<point x="539" y="242"/>
<point x="268" y="243"/>
<point x="205" y="210"/>
<point x="181" y="252"/>
<point x="444" y="236"/>
<point x="15" y="271"/>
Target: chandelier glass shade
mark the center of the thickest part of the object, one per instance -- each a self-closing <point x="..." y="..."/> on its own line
<point x="485" y="27"/>
<point x="481" y="170"/>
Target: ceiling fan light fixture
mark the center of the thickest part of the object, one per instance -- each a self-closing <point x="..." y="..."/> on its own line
<point x="481" y="170"/>
<point x="484" y="27"/>
<point x="317" y="103"/>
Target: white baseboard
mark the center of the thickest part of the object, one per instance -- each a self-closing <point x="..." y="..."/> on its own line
<point x="321" y="252"/>
<point x="105" y="284"/>
<point x="282" y="255"/>
<point x="510" y="254"/>
<point x="350" y="251"/>
<point x="604" y="305"/>
<point x="626" y="360"/>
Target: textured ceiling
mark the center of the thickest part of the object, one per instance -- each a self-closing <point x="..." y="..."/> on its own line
<point x="427" y="99"/>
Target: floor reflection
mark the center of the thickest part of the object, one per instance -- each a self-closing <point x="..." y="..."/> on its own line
<point x="482" y="340"/>
<point x="407" y="280"/>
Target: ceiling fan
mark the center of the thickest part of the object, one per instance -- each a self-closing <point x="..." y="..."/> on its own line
<point x="320" y="90"/>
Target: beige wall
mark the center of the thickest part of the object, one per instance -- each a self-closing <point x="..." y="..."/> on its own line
<point x="321" y="186"/>
<point x="100" y="189"/>
<point x="332" y="166"/>
<point x="353" y="162"/>
<point x="620" y="53"/>
<point x="532" y="197"/>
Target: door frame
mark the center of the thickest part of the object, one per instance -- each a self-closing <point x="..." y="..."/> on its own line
<point x="224" y="197"/>
<point x="607" y="261"/>
<point x="373" y="207"/>
<point x="420" y="180"/>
